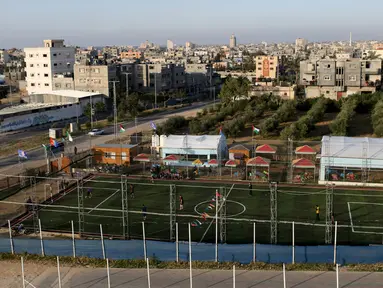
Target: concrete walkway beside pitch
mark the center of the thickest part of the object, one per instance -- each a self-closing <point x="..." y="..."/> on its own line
<point x="137" y="278"/>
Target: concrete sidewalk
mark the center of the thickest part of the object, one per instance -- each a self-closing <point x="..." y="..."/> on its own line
<point x="134" y="278"/>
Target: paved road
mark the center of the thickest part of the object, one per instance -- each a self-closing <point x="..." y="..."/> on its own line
<point x="84" y="141"/>
<point x="134" y="278"/>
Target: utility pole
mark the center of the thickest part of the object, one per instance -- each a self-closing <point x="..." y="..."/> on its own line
<point x="115" y="108"/>
<point x="155" y="89"/>
<point x="91" y="112"/>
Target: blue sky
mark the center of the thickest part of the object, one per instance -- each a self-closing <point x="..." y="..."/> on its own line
<point x="128" y="22"/>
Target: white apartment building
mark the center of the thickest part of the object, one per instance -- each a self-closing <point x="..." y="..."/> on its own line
<point x="45" y="63"/>
<point x="170" y="45"/>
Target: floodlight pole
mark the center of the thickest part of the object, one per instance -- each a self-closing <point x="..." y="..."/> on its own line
<point x="273" y="212"/>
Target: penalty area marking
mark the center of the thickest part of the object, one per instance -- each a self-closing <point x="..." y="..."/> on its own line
<point x="231" y="201"/>
<point x="363" y="227"/>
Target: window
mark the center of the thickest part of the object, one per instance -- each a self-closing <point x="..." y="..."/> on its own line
<point x="259" y="63"/>
<point x="54" y="54"/>
<point x="45" y="65"/>
<point x="55" y="64"/>
<point x="31" y="65"/>
<point x="327" y="92"/>
<point x="58" y="85"/>
<point x="327" y="77"/>
<point x="68" y="85"/>
<point x="352" y="78"/>
<point x="271" y="68"/>
<point x="33" y="84"/>
<point x="46" y="75"/>
<point x="123" y="156"/>
<point x="30" y="55"/>
<point x="113" y="155"/>
<point x="271" y="63"/>
<point x="45" y="55"/>
<point x="97" y="70"/>
<point x="32" y="75"/>
<point x="46" y="85"/>
<point x="68" y="64"/>
<point x="368" y="65"/>
<point x="82" y="70"/>
<point x="82" y="80"/>
<point x="97" y="81"/>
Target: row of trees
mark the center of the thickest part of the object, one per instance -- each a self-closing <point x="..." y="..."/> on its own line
<point x="305" y="124"/>
<point x="340" y="125"/>
<point x="172" y="125"/>
<point x="283" y="114"/>
<point x="377" y="119"/>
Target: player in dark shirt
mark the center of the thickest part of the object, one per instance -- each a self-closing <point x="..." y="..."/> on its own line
<point x="144" y="210"/>
<point x="132" y="191"/>
<point x="181" y="202"/>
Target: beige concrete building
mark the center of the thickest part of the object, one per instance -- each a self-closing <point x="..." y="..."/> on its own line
<point x="131" y="55"/>
<point x="95" y="78"/>
<point x="233" y="41"/>
<point x="339" y="78"/>
<point x="266" y="67"/>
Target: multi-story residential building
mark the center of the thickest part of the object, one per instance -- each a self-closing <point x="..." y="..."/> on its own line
<point x="111" y="51"/>
<point x="199" y="77"/>
<point x="189" y="46"/>
<point x="266" y="67"/>
<point x="95" y="78"/>
<point x="339" y="78"/>
<point x="170" y="45"/>
<point x="4" y="56"/>
<point x="131" y="55"/>
<point x="233" y="41"/>
<point x="300" y="44"/>
<point x="44" y="63"/>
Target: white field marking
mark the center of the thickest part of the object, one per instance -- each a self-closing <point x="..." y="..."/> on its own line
<point x="99" y="188"/>
<point x="118" y="190"/>
<point x="349" y="213"/>
<point x="364" y="227"/>
<point x="74" y="212"/>
<point x="234" y="215"/>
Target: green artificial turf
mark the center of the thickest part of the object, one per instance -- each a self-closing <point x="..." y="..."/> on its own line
<point x="295" y="203"/>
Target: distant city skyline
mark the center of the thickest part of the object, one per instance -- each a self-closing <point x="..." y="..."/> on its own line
<point x="83" y="23"/>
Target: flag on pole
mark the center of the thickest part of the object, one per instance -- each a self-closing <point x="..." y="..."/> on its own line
<point x="53" y="142"/>
<point x="154" y="127"/>
<point x="22" y="154"/>
<point x="255" y="130"/>
<point x="70" y="139"/>
<point x="122" y="129"/>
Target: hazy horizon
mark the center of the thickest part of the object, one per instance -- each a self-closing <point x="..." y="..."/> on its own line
<point x="84" y="23"/>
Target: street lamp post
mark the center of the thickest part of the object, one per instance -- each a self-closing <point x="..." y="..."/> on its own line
<point x="127" y="84"/>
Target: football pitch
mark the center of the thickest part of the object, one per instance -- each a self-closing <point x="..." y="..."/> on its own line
<point x="359" y="213"/>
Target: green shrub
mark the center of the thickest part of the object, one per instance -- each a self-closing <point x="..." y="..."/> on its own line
<point x="88" y="125"/>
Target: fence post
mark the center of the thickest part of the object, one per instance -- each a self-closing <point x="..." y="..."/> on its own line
<point x="102" y="243"/>
<point x="73" y="241"/>
<point x="177" y="247"/>
<point x="107" y="271"/>
<point x="254" y="251"/>
<point x="335" y="238"/>
<point x="293" y="240"/>
<point x="216" y="225"/>
<point x="190" y="259"/>
<point x="10" y="237"/>
<point x="58" y="271"/>
<point x="233" y="276"/>
<point x="22" y="271"/>
<point x="41" y="239"/>
<point x="337" y="275"/>
<point x="284" y="275"/>
<point x="148" y="271"/>
<point x="144" y="238"/>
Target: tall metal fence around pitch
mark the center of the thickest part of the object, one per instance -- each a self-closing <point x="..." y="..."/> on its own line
<point x="56" y="202"/>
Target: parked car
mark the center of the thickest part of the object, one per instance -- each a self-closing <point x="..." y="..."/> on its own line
<point x="95" y="132"/>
